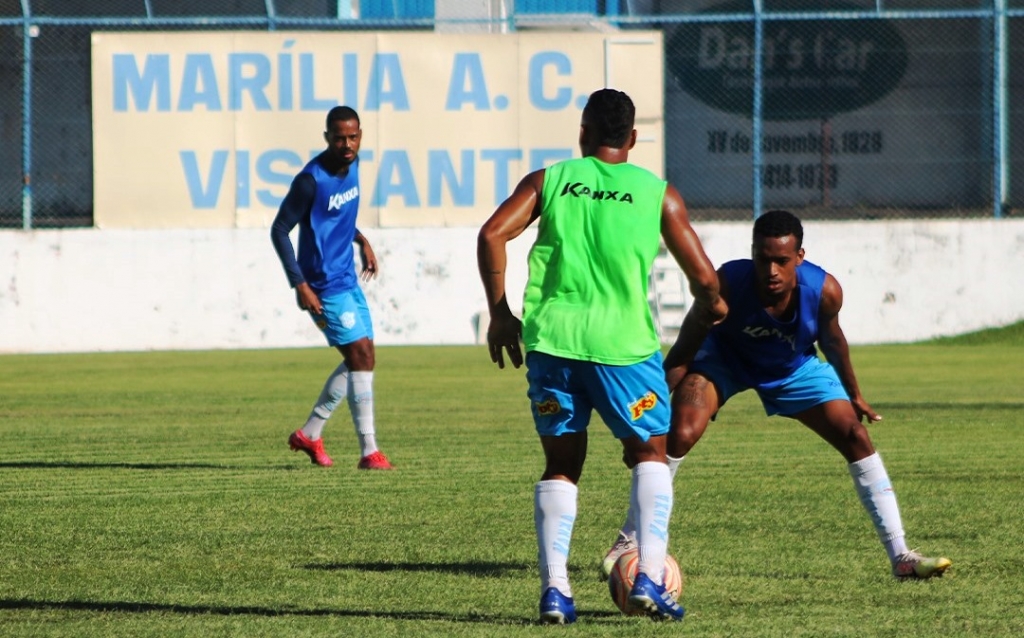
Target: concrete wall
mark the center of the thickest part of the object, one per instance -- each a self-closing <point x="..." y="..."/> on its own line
<point x="109" y="290"/>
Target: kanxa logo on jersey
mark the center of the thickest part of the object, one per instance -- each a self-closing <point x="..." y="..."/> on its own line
<point x="337" y="200"/>
<point x="547" y="407"/>
<point x="579" y="189"/>
<point x="760" y="332"/>
<point x="643" y="404"/>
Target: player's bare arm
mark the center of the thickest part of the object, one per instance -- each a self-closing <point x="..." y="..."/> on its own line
<point x="367" y="257"/>
<point x="692" y="333"/>
<point x="508" y="222"/>
<point x="682" y="241"/>
<point x="709" y="307"/>
<point x="834" y="346"/>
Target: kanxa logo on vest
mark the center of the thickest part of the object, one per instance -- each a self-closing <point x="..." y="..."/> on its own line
<point x="760" y="332"/>
<point x="579" y="189"/>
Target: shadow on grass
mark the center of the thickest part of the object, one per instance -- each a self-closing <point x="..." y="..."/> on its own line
<point x="482" y="569"/>
<point x="80" y="465"/>
<point x="234" y="610"/>
<point x="949" y="405"/>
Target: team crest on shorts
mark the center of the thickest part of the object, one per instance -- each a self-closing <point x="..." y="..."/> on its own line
<point x="643" y="404"/>
<point x="321" y="323"/>
<point x="348" y="320"/>
<point x="547" y="407"/>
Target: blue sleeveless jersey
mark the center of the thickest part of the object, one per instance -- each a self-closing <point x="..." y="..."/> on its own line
<point x="762" y="348"/>
<point x="326" y="234"/>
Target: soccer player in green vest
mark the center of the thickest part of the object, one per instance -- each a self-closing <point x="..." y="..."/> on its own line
<point x="589" y="337"/>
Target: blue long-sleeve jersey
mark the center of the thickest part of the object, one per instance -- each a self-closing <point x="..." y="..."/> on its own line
<point x="324" y="206"/>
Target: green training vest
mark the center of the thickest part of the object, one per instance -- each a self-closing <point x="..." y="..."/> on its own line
<point x="598" y="235"/>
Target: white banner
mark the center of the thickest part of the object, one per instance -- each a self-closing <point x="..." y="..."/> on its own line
<point x="205" y="130"/>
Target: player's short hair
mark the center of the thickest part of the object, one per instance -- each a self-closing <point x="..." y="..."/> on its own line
<point x="343" y="114"/>
<point x="779" y="223"/>
<point x="610" y="115"/>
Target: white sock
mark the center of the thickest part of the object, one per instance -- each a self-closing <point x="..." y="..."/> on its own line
<point x="360" y="402"/>
<point x="673" y="464"/>
<point x="629" y="527"/>
<point x="879" y="499"/>
<point x="554" y="512"/>
<point x="335" y="389"/>
<point x="651" y="499"/>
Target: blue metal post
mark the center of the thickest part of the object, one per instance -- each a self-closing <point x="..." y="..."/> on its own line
<point x="271" y="15"/>
<point x="26" y="115"/>
<point x="999" y="112"/>
<point x="758" y="107"/>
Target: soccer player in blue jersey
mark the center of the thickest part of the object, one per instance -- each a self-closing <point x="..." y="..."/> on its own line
<point x="780" y="306"/>
<point x="323" y="202"/>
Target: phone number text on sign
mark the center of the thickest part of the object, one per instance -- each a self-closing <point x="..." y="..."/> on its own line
<point x="809" y="176"/>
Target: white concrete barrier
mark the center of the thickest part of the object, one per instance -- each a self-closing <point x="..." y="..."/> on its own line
<point x="79" y="290"/>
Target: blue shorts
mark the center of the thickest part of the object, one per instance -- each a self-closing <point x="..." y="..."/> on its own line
<point x="632" y="400"/>
<point x="345" y="318"/>
<point x="813" y="383"/>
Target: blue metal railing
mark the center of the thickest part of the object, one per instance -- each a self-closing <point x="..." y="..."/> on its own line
<point x="616" y="13"/>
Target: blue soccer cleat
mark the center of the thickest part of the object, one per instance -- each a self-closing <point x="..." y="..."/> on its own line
<point x="556" y="608"/>
<point x="654" y="600"/>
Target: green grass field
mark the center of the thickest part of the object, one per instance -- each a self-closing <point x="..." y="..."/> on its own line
<point x="153" y="494"/>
